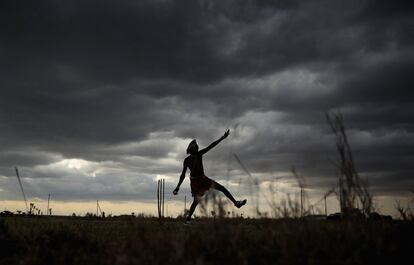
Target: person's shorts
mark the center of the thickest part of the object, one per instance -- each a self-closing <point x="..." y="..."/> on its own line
<point x="199" y="185"/>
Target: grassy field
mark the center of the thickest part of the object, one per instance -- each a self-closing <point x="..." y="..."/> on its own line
<point x="66" y="240"/>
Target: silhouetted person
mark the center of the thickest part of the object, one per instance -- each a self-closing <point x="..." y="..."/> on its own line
<point x="199" y="182"/>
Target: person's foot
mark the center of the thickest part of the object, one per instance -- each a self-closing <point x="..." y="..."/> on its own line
<point x="187" y="222"/>
<point x="239" y="204"/>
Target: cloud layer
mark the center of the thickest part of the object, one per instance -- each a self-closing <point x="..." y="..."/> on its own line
<point x="99" y="98"/>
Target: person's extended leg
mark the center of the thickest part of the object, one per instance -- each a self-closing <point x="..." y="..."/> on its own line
<point x="192" y="208"/>
<point x="225" y="191"/>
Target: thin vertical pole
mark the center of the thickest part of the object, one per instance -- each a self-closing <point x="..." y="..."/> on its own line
<point x="48" y="200"/>
<point x="161" y="208"/>
<point x="158" y="199"/>
<point x="163" y="196"/>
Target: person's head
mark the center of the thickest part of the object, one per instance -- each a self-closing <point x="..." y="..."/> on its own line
<point x="192" y="147"/>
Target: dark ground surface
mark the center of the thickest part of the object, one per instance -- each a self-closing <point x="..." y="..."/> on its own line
<point x="66" y="240"/>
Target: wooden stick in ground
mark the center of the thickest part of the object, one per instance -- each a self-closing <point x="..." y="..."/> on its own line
<point x="163" y="197"/>
<point x="158" y="198"/>
<point x="48" y="200"/>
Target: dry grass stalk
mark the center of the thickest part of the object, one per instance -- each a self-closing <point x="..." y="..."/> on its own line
<point x="351" y="188"/>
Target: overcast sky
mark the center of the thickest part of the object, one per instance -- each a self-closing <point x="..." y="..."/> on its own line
<point x="100" y="98"/>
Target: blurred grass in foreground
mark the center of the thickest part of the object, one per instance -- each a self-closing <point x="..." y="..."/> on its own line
<point x="65" y="240"/>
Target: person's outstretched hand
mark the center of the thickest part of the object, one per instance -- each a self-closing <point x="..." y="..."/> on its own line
<point x="175" y="192"/>
<point x="226" y="134"/>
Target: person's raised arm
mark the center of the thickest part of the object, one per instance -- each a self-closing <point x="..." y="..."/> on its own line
<point x="175" y="192"/>
<point x="213" y="144"/>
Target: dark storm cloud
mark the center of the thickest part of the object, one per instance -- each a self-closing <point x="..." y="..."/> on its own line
<point x="127" y="82"/>
<point x="106" y="42"/>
